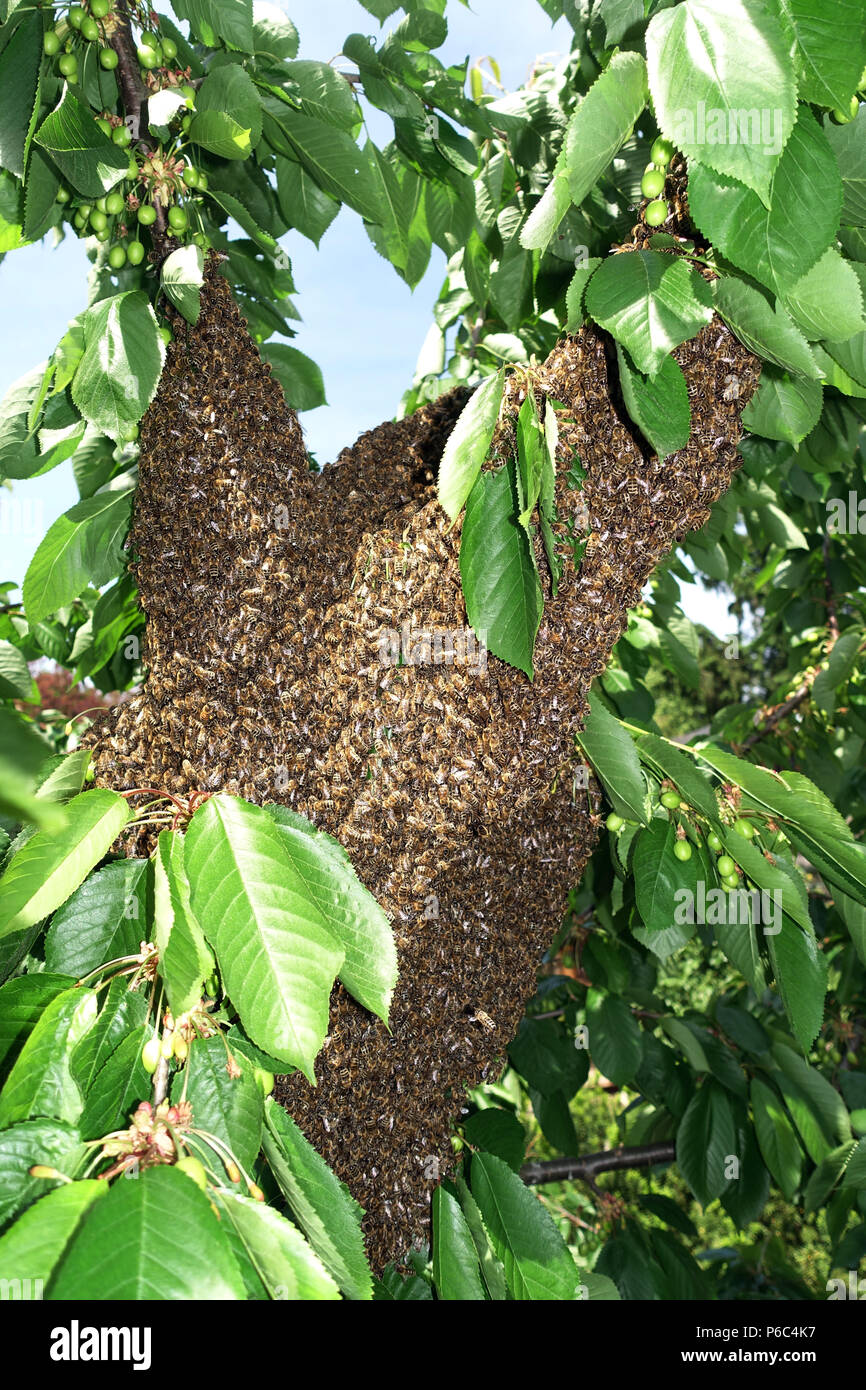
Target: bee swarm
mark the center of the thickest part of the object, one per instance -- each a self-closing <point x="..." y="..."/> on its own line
<point x="268" y="592"/>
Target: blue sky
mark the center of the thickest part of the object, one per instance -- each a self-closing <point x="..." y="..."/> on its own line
<point x="361" y="323"/>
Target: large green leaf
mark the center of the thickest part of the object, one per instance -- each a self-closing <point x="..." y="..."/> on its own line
<point x="303" y="203"/>
<point x="765" y="329"/>
<point x="330" y="156"/>
<point x="455" y="1260"/>
<point x="612" y="752"/>
<point x="500" y="579"/>
<point x="44" y="873"/>
<point x="16" y="682"/>
<point x="22" y="753"/>
<point x="182" y="278"/>
<point x="287" y="1266"/>
<point x="40" y="1085"/>
<point x="658" y="405"/>
<point x="185" y="961"/>
<point x="693" y="787"/>
<point x="22" y="1003"/>
<point x="350" y="912"/>
<point x="84" y="155"/>
<point x="228" y="114"/>
<point x="83" y="547"/>
<point x="537" y="1262"/>
<point x="212" y="20"/>
<point x="225" y="1105"/>
<point x="801" y="975"/>
<point x="603" y="121"/>
<point x="299" y="376"/>
<point x="153" y="1238"/>
<point x="34" y="1245"/>
<point x="650" y="302"/>
<point x="828" y="301"/>
<point x="830" y="51"/>
<point x="774" y="242"/>
<point x="615" y="1038"/>
<point x="19" y="74"/>
<point x="849" y="147"/>
<point x="116" y="1089"/>
<point x="783" y="407"/>
<point x="706" y="1141"/>
<point x="123" y="1011"/>
<point x="776" y="1138"/>
<point x="664" y="886"/>
<point x="117" y="376"/>
<point x="322" y="1205"/>
<point x="277" y="959"/>
<point x="714" y="64"/>
<point x="467" y="445"/>
<point x="24" y="1145"/>
<point x="103" y="920"/>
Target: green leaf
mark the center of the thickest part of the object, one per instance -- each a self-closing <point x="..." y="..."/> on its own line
<point x="774" y="243"/>
<point x="230" y="20"/>
<point x="39" y="1237"/>
<point x="692" y="786"/>
<point x="152" y="1238"/>
<point x="22" y="1146"/>
<point x="706" y="1140"/>
<point x="575" y="315"/>
<point x="22" y="1003"/>
<point x="118" y="374"/>
<point x="83" y="547"/>
<point x="546" y="1057"/>
<point x="86" y="158"/>
<point x="651" y="302"/>
<point x="123" y="1011"/>
<point x="229" y="1107"/>
<point x="44" y="873"/>
<point x="398" y="228"/>
<point x="185" y="961"/>
<point x="274" y="34"/>
<point x="40" y="195"/>
<point x="824" y="1099"/>
<point x="603" y="121"/>
<point x="847" y="144"/>
<point x="531" y="453"/>
<point x="766" y="330"/>
<point x="40" y="1085"/>
<point x="828" y="301"/>
<point x="455" y="1260"/>
<point x="664" y="886"/>
<point x="500" y="580"/>
<point x="851" y="356"/>
<point x="498" y="1132"/>
<point x="695" y="57"/>
<point x="182" y="279"/>
<point x="118" y="1086"/>
<point x="658" y="405"/>
<point x="350" y="912"/>
<point x="16" y="682"/>
<point x="840" y="666"/>
<point x="537" y="1263"/>
<point x="826" y="1176"/>
<point x="783" y="407"/>
<point x="19" y="75"/>
<point x="830" y="50"/>
<point x="228" y="114"/>
<point x="299" y="376"/>
<point x="244" y="218"/>
<point x="467" y="445"/>
<point x="615" y="1038"/>
<point x="321" y="1204"/>
<point x="801" y="976"/>
<point x="103" y="920"/>
<point x="776" y="1138"/>
<point x="330" y="156"/>
<point x="276" y="957"/>
<point x="320" y="92"/>
<point x="19" y="456"/>
<point x="283" y="1260"/>
<point x="22" y="753"/>
<point x="612" y="752"/>
<point x="303" y="203"/>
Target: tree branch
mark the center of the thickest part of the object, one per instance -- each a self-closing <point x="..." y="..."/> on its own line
<point x="607" y="1161"/>
<point x="133" y="94"/>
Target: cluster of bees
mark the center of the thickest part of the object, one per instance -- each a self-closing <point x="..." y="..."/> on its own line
<point x="267" y="589"/>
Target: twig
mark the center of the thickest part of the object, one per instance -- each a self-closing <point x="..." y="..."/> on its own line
<point x="133" y="94"/>
<point x="607" y="1161"/>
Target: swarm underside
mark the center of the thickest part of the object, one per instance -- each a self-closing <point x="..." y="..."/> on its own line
<point x="267" y="591"/>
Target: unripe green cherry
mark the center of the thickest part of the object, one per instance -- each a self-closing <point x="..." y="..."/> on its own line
<point x="150" y="1055"/>
<point x="169" y="49"/>
<point x="661" y="152"/>
<point x="614" y="822"/>
<point x="98" y="220"/>
<point x="265" y="1080"/>
<point x="194" y="1169"/>
<point x="166" y="334"/>
<point x="852" y="1059"/>
<point x="104" y="125"/>
<point x="67" y="65"/>
<point x="121" y="136"/>
<point x="190" y="177"/>
<point x="725" y="865"/>
<point x="745" y="828"/>
<point x="63" y="195"/>
<point x="99" y="8"/>
<point x="51" y="43"/>
<point x="714" y="842"/>
<point x="186" y="123"/>
<point x="147" y="57"/>
<point x="683" y="850"/>
<point x="670" y="799"/>
<point x="117" y="258"/>
<point x="78" y="221"/>
<point x="108" y="59"/>
<point x="656" y="212"/>
<point x="100" y="204"/>
<point x="177" y="219"/>
<point x="114" y="203"/>
<point x="149" y="39"/>
<point x="202" y="180"/>
<point x="147" y="215"/>
<point x="731" y="881"/>
<point x="135" y="253"/>
<point x="89" y="29"/>
<point x="102" y="234"/>
<point x="652" y="183"/>
<point x="75" y="16"/>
